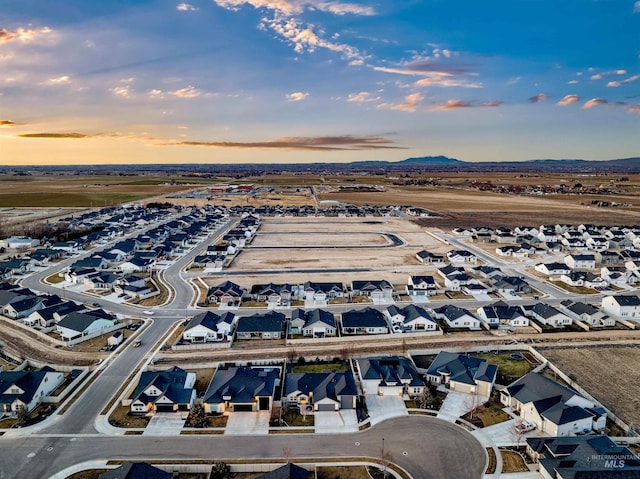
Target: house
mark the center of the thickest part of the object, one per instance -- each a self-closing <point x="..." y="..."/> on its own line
<point x="209" y="327"/>
<point x="550" y="316"/>
<point x="227" y="293"/>
<point x="241" y="389"/>
<point x="410" y="318"/>
<point x="462" y="373"/>
<point x="580" y="261"/>
<point x="47" y="317"/>
<point x="500" y="314"/>
<point x="461" y="256"/>
<point x="364" y="321"/>
<point x="582" y="457"/>
<point x="316" y="323"/>
<point x="375" y="290"/>
<point x="455" y="282"/>
<point x="136" y="470"/>
<point x="422" y="286"/>
<point x="554" y="409"/>
<point x="273" y="294"/>
<point x="320" y="293"/>
<point x="427" y="257"/>
<point x="77" y="324"/>
<point x="22" y="308"/>
<point x="19" y="242"/>
<point x="553" y="269"/>
<point x="261" y="326"/>
<point x="324" y="391"/>
<point x="626" y="307"/>
<point x="164" y="391"/>
<point x="24" y="390"/>
<point x="512" y="284"/>
<point x="587" y="313"/>
<point x="288" y="471"/>
<point x="389" y="376"/>
<point x="455" y="317"/>
<point x="585" y="279"/>
<point x="488" y="272"/>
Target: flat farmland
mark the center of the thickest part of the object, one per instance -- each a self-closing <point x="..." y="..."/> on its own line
<point x="610" y="374"/>
<point x="361" y="247"/>
<point x="81" y="191"/>
<point x="462" y="207"/>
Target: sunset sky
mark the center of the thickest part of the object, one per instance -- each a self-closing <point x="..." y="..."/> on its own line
<point x="237" y="81"/>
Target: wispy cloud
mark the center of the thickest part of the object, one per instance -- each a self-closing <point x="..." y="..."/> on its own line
<point x="362" y="97"/>
<point x="636" y="7"/>
<point x="455" y="104"/>
<point x="297" y="96"/>
<point x="409" y="104"/>
<point x="594" y="102"/>
<point x="23" y="34"/>
<point x="291" y="7"/>
<point x="634" y="108"/>
<point x="56" y="135"/>
<point x="186" y="92"/>
<point x="621" y="82"/>
<point x="322" y="143"/>
<point x="338" y="8"/>
<point x="124" y="91"/>
<point x="61" y="80"/>
<point x="434" y="73"/>
<point x="568" y="100"/>
<point x="601" y="75"/>
<point x="538" y="98"/>
<point x="186" y="7"/>
<point x="7" y="123"/>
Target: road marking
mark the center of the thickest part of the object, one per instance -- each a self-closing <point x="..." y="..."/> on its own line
<point x="50" y="448"/>
<point x="31" y="454"/>
<point x="73" y="439"/>
<point x="405" y="453"/>
<point x="357" y="443"/>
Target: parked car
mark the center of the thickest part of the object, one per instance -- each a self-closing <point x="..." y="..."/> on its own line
<point x="525" y="426"/>
<point x="137" y="344"/>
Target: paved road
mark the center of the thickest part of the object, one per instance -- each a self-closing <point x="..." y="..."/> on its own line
<point x="428" y="448"/>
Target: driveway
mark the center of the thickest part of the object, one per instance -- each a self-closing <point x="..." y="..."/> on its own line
<point x="165" y="424"/>
<point x="384" y="407"/>
<point x="248" y="423"/>
<point x="504" y="434"/>
<point x="340" y="422"/>
<point x="458" y="404"/>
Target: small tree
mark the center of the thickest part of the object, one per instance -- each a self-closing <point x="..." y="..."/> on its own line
<point x="198" y="417"/>
<point x="220" y="470"/>
<point x="519" y="430"/>
<point x="426" y="398"/>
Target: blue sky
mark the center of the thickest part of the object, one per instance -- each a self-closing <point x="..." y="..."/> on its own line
<point x="304" y="81"/>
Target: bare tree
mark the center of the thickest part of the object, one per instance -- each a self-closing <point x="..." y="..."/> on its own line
<point x="287" y="453"/>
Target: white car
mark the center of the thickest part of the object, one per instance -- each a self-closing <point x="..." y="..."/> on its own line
<point x="525" y="426"/>
<point x="148" y="312"/>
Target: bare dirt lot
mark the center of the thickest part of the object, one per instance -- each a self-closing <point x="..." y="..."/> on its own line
<point x="383" y="262"/>
<point x="461" y="207"/>
<point x="610" y="374"/>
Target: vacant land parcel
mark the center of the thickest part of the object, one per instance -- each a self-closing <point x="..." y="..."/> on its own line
<point x="610" y="374"/>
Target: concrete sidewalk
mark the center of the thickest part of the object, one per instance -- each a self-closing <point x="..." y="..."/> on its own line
<point x="458" y="404"/>
<point x="339" y="422"/>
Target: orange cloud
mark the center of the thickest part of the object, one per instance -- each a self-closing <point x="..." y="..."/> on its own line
<point x="455" y="104"/>
<point x="568" y="100"/>
<point x="594" y="102"/>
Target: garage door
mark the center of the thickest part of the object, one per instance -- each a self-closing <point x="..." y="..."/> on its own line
<point x="164" y="407"/>
<point x="242" y="407"/>
<point x="326" y="407"/>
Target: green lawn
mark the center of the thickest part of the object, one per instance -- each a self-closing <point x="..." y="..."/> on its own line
<point x="506" y="365"/>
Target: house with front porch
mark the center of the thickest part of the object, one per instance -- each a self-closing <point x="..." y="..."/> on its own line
<point x="323" y="391"/>
<point x="241" y="389"/>
<point x="24" y="390"/>
<point x="227" y="293"/>
<point x="364" y="321"/>
<point x="315" y="323"/>
<point x="411" y="318"/>
<point x="210" y="327"/>
<point x="423" y="285"/>
<point x="164" y="391"/>
<point x="462" y="373"/>
<point x="501" y="315"/>
<point x="389" y="376"/>
<point x="375" y="289"/>
<point x="556" y="410"/>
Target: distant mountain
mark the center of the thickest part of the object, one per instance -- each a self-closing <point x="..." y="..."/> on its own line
<point x="431" y="160"/>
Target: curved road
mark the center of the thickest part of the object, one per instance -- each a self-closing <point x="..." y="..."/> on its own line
<point x="423" y="446"/>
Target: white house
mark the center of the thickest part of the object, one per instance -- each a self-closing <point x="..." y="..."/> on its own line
<point x="625" y="307"/>
<point x="209" y="327"/>
<point x="24" y="390"/>
<point x="580" y="261"/>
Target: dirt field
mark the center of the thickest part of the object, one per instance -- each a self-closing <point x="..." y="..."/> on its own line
<point x="610" y="374"/>
<point x="465" y="208"/>
<point x="390" y="263"/>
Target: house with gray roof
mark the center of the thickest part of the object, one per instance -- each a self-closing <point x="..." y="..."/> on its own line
<point x="288" y="471"/>
<point x="582" y="457"/>
<point x="455" y="317"/>
<point x="364" y="321"/>
<point x="163" y="391"/>
<point x="241" y="389"/>
<point x="77" y="324"/>
<point x="24" y="390"/>
<point x="462" y="373"/>
<point x="422" y="285"/>
<point x="553" y="408"/>
<point x="261" y="326"/>
<point x="587" y="313"/>
<point x="389" y="376"/>
<point x="550" y="316"/>
<point x="411" y="318"/>
<point x="227" y="293"/>
<point x="315" y="323"/>
<point x="210" y="327"/>
<point x="625" y="307"/>
<point x="324" y="391"/>
<point x="136" y="470"/>
<point x="502" y="315"/>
